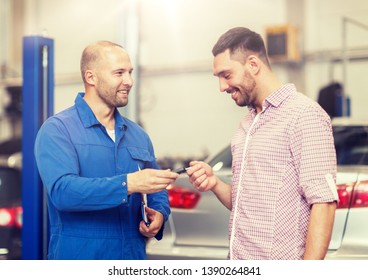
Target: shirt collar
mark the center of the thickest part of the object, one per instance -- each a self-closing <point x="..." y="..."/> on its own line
<point x="277" y="97"/>
<point x="89" y="119"/>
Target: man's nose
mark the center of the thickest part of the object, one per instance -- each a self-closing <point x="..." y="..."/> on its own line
<point x="128" y="80"/>
<point x="223" y="85"/>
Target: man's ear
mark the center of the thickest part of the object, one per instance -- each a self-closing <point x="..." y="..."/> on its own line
<point x="89" y="76"/>
<point x="254" y="64"/>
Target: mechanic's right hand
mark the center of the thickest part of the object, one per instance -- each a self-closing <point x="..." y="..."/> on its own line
<point x="150" y="180"/>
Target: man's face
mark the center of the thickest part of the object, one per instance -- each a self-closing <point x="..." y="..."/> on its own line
<point x="235" y="77"/>
<point x="114" y="79"/>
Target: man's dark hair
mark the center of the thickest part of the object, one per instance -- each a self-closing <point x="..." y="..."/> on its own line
<point x="244" y="40"/>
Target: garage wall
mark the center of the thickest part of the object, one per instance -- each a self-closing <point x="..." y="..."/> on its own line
<point x="324" y="41"/>
<point x="181" y="106"/>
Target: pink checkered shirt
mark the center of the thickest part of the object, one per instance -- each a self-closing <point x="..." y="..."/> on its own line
<point x="284" y="161"/>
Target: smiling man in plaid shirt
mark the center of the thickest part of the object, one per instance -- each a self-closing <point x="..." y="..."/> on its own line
<point x="283" y="195"/>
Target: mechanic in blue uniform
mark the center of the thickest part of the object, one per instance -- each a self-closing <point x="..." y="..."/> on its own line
<point x="96" y="165"/>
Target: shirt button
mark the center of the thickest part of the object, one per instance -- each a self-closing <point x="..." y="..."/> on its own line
<point x="124" y="184"/>
<point x="123" y="200"/>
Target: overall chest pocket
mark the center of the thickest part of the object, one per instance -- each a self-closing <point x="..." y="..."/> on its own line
<point x="140" y="155"/>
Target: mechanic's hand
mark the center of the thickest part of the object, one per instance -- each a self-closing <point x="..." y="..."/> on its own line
<point x="150" y="180"/>
<point x="156" y="220"/>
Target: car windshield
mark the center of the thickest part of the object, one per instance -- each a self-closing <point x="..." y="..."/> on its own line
<point x="351" y="143"/>
<point x="222" y="160"/>
<point x="10" y="186"/>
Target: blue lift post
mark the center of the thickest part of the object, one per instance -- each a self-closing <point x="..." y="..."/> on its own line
<point x="37" y="106"/>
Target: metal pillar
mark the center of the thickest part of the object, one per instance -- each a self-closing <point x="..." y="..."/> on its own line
<point x="345" y="59"/>
<point x="129" y="38"/>
<point x="38" y="105"/>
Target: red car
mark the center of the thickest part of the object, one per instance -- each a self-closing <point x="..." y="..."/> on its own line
<point x="10" y="200"/>
<point x="10" y="213"/>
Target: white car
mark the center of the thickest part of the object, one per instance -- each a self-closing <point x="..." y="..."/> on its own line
<point x="198" y="225"/>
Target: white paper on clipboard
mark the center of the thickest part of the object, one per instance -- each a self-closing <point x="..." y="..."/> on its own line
<point x="144" y="203"/>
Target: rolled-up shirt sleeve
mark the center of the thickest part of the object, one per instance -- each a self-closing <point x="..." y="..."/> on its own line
<point x="315" y="156"/>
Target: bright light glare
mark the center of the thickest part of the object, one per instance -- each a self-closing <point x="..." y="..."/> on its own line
<point x="5" y="217"/>
<point x="218" y="166"/>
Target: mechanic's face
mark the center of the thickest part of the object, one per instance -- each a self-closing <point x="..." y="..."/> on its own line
<point x="114" y="79"/>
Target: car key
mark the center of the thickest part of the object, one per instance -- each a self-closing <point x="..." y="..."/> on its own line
<point x="180" y="170"/>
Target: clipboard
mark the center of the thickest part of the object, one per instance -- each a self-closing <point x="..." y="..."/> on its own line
<point x="143" y="204"/>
